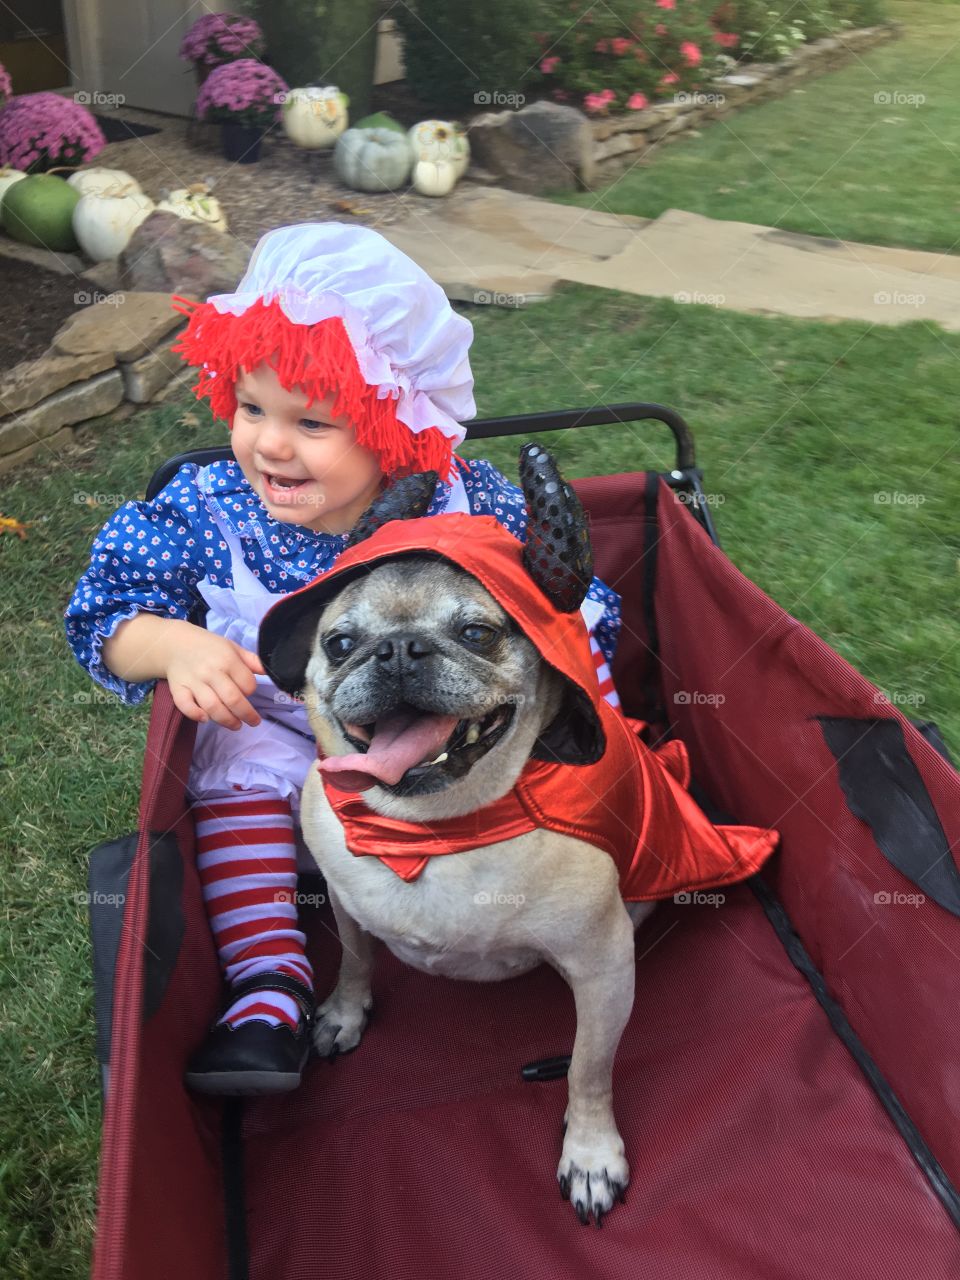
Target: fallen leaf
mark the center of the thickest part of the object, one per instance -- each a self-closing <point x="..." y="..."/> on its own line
<point x="9" y="525"/>
<point x="347" y="206"/>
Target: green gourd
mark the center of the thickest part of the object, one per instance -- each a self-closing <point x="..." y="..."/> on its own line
<point x="373" y="159"/>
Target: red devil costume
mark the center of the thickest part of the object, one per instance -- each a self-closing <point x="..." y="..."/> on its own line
<point x="589" y="776"/>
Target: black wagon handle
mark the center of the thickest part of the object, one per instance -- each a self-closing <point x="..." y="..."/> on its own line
<point x="486" y="428"/>
<point x="598" y="415"/>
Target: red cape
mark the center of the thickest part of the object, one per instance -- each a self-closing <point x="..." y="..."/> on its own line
<point x="594" y="779"/>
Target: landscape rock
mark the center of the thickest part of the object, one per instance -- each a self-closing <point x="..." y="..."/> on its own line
<point x="127" y="324"/>
<point x="30" y="380"/>
<point x="543" y="147"/>
<point x="73" y="404"/>
<point x="167" y="254"/>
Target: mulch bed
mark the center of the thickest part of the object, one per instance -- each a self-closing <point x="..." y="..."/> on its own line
<point x="33" y="305"/>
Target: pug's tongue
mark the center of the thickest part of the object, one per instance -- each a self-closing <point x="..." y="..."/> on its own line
<point x="399" y="741"/>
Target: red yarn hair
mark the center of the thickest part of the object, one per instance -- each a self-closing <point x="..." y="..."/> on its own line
<point x="317" y="358"/>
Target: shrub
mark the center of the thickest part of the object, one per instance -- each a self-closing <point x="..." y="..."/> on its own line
<point x="461" y="56"/>
<point x="626" y="54"/>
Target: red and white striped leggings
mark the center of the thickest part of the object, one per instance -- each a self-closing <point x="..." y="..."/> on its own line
<point x="247" y="858"/>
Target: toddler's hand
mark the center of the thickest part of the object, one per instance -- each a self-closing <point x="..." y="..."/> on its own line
<point x="210" y="678"/>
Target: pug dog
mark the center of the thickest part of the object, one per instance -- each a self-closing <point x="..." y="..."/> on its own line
<point x="425" y="692"/>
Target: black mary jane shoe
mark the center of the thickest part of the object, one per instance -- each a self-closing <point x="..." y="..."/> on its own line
<point x="255" y="1058"/>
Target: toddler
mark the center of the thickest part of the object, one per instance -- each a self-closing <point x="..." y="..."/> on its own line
<point x="339" y="366"/>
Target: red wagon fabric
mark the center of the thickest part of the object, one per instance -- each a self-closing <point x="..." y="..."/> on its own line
<point x="786" y="1086"/>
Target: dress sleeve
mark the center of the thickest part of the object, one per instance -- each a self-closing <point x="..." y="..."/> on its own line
<point x="149" y="557"/>
<point x="491" y="494"/>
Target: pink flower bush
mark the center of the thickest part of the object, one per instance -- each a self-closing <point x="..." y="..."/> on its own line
<point x="595" y="102"/>
<point x="636" y="53"/>
<point x="726" y="39"/>
<point x="245" y="91"/>
<point x="39" y="131"/>
<point x="6" y="88"/>
<point x="222" y="37"/>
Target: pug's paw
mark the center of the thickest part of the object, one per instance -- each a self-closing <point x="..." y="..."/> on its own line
<point x="339" y="1027"/>
<point x="593" y="1176"/>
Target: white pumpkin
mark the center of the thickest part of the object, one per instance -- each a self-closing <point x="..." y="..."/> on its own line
<point x="315" y="117"/>
<point x="434" y="177"/>
<point x="439" y="140"/>
<point x="373" y="159"/>
<point x="104" y="222"/>
<point x="90" y="181"/>
<point x="196" y="204"/>
<point x="7" y="178"/>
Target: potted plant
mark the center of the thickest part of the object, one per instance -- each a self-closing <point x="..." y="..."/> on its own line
<point x="217" y="38"/>
<point x="245" y="97"/>
<point x="39" y="131"/>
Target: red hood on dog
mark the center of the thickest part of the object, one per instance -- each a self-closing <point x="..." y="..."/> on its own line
<point x="590" y="775"/>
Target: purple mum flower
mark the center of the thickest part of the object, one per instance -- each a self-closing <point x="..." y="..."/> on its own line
<point x="245" y="91"/>
<point x="221" y="37"/>
<point x="39" y="131"/>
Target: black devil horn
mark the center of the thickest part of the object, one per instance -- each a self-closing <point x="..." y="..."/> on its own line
<point x="557" y="553"/>
<point x="407" y="499"/>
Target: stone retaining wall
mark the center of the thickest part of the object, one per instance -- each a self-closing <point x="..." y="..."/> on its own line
<point x="112" y="351"/>
<point x="620" y="140"/>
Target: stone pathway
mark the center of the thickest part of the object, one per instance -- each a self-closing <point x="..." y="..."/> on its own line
<point x="494" y="246"/>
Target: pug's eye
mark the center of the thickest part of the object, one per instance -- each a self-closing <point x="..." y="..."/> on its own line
<point x="337" y="647"/>
<point x="478" y="635"/>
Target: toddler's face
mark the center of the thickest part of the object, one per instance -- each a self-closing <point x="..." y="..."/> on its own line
<point x="304" y="464"/>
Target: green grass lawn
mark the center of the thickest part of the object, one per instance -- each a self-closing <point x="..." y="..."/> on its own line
<point x="799" y="426"/>
<point x="827" y="159"/>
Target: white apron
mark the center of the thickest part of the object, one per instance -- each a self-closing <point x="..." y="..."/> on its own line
<point x="277" y="753"/>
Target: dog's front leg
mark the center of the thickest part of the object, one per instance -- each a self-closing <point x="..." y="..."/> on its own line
<point x="343" y="1016"/>
<point x="593" y="1169"/>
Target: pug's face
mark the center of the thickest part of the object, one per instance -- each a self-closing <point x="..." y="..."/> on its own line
<point x="419" y="684"/>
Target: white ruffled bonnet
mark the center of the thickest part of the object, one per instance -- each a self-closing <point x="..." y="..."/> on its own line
<point x="409" y="342"/>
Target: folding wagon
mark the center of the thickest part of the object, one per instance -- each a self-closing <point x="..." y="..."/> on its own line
<point x="788" y="1086"/>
